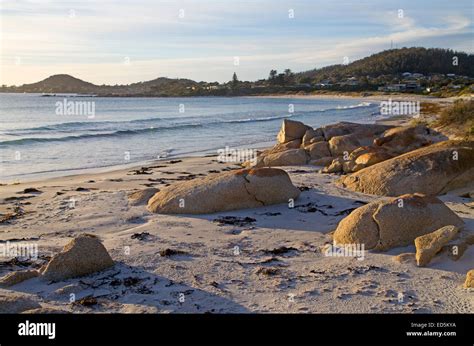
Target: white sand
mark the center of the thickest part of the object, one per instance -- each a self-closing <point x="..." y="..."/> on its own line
<point x="220" y="268"/>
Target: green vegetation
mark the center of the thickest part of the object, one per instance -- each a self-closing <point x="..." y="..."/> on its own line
<point x="460" y="115"/>
<point x="396" y="61"/>
<point x="235" y="81"/>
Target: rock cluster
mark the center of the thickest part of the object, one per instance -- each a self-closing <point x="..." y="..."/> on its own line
<point x="299" y="144"/>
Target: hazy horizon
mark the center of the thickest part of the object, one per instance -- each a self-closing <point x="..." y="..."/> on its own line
<point x="150" y="78"/>
<point x="115" y="42"/>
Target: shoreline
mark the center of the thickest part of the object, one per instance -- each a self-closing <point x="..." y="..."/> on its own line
<point x="376" y="96"/>
<point x="396" y="120"/>
<point x="36" y="177"/>
<point x="39" y="176"/>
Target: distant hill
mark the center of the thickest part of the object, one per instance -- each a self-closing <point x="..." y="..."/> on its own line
<point x="63" y="83"/>
<point x="397" y="61"/>
<point x="162" y="87"/>
<point x="366" y="74"/>
<point x="60" y="83"/>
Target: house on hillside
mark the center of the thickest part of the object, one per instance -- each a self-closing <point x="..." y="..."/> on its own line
<point x="352" y="81"/>
<point x="393" y="87"/>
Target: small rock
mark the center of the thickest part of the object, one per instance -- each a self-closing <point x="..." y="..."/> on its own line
<point x="469" y="279"/>
<point x="428" y="245"/>
<point x="16" y="277"/>
<point x="142" y="196"/>
<point x="81" y="256"/>
<point x="86" y="301"/>
<point x="336" y="166"/>
<point x="405" y="258"/>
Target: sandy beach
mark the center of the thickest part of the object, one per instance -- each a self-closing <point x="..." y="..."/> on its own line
<point x="224" y="172"/>
<point x="267" y="259"/>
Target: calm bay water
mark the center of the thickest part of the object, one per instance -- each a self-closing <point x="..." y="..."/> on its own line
<point x="37" y="140"/>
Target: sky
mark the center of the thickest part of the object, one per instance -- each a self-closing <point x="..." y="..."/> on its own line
<point x="121" y="42"/>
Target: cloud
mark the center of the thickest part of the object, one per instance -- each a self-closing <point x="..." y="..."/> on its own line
<point x="93" y="43"/>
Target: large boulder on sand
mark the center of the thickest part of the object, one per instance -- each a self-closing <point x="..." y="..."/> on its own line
<point x="369" y="159"/>
<point x="431" y="170"/>
<point x="281" y="154"/>
<point x="318" y="150"/>
<point x="345" y="128"/>
<point x="280" y="147"/>
<point x="403" y="139"/>
<point x="339" y="145"/>
<point x="83" y="255"/>
<point x="428" y="245"/>
<point x="293" y="157"/>
<point x="291" y="130"/>
<point x="382" y="225"/>
<point x="294" y="144"/>
<point x="360" y="151"/>
<point x="312" y="136"/>
<point x="246" y="188"/>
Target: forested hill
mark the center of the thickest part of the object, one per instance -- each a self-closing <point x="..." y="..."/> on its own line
<point x="396" y="61"/>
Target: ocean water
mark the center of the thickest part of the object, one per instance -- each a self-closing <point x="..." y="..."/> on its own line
<point x="50" y="136"/>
